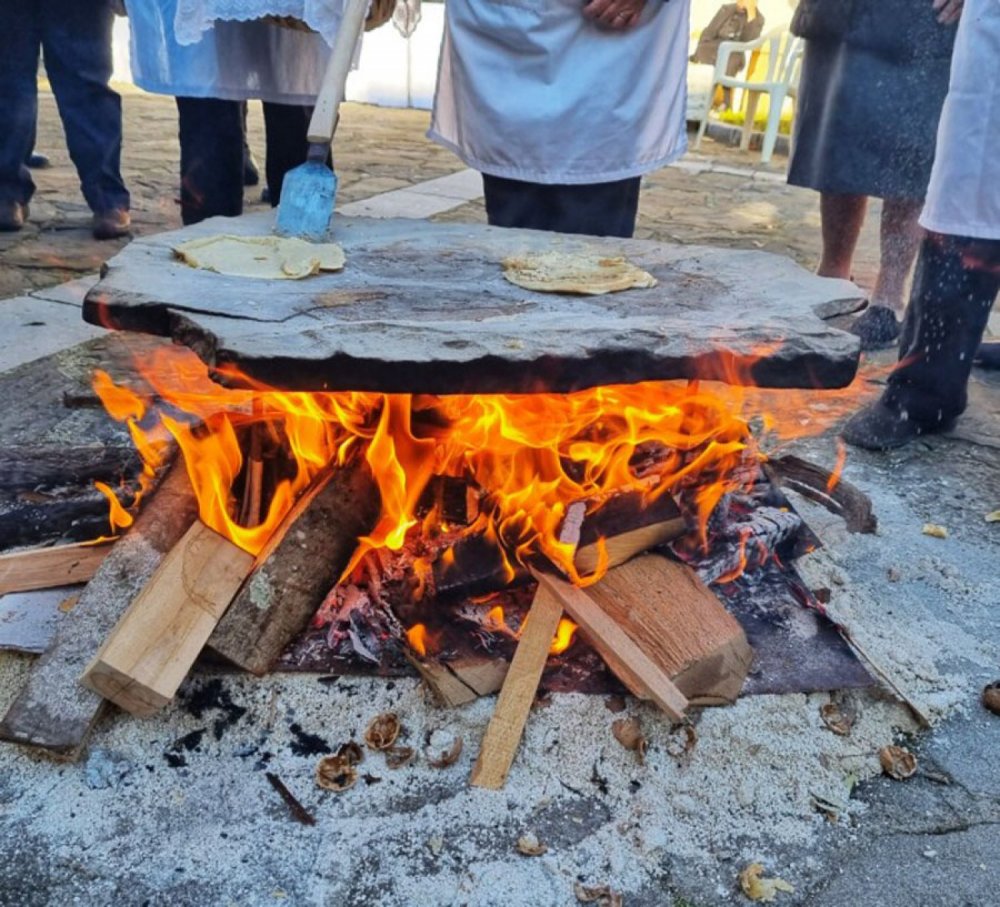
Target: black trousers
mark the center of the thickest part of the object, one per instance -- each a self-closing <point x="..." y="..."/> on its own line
<point x="597" y="209"/>
<point x="955" y="283"/>
<point x="211" y="137"/>
<point x="75" y="36"/>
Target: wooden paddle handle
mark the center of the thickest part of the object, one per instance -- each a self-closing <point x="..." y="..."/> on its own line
<point x="331" y="93"/>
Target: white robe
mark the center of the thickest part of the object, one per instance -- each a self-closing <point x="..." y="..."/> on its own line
<point x="963" y="198"/>
<point x="532" y="90"/>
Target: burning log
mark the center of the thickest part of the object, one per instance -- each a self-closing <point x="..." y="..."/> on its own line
<point x="744" y="545"/>
<point x="153" y="646"/>
<point x="303" y="559"/>
<point x="834" y="493"/>
<point x="503" y="734"/>
<point x="631" y="663"/>
<point x="54" y="710"/>
<point x="666" y="610"/>
<point x="44" y="568"/>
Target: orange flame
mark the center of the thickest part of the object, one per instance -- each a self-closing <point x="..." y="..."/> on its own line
<point x="416" y="636"/>
<point x="564" y="636"/>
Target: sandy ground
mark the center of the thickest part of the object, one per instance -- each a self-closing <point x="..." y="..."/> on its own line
<point x="177" y="810"/>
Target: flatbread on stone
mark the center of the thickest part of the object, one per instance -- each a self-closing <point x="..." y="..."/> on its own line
<point x="266" y="257"/>
<point x="564" y="272"/>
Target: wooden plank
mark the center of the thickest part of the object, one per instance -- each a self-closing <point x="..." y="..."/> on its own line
<point x="503" y="734"/>
<point x="630" y="664"/>
<point x="158" y="638"/>
<point x="675" y="618"/>
<point x="301" y="562"/>
<point x="54" y="710"/>
<point x="44" y="568"/>
<point x="463" y="680"/>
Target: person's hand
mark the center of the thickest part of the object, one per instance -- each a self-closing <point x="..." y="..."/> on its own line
<point x="948" y="10"/>
<point x="618" y="14"/>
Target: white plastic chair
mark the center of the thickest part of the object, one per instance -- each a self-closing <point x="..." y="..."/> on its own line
<point x="780" y="81"/>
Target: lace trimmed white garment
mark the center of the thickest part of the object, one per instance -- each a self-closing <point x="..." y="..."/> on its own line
<point x="195" y="17"/>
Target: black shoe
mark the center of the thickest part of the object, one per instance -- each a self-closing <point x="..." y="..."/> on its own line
<point x="988" y="354"/>
<point x="265" y="195"/>
<point x="879" y="427"/>
<point x="251" y="173"/>
<point x="112" y="224"/>
<point x="13" y="216"/>
<point x="38" y="161"/>
<point x="877" y="327"/>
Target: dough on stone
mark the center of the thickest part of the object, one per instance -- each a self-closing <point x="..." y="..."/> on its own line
<point x="589" y="274"/>
<point x="266" y="257"/>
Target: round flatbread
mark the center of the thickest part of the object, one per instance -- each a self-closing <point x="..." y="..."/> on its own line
<point x="264" y="257"/>
<point x="589" y="274"/>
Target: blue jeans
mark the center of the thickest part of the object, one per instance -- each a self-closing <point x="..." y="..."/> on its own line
<point x="75" y="37"/>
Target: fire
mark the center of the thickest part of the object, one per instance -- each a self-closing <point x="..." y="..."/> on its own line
<point x="564" y="636"/>
<point x="416" y="636"/>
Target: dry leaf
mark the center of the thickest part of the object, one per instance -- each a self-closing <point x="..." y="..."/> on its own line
<point x="602" y="895"/>
<point x="933" y="529"/>
<point x="993" y="516"/>
<point x="991" y="697"/>
<point x="761" y="889"/>
<point x="628" y="732"/>
<point x="438" y="753"/>
<point x="530" y="846"/>
<point x="398" y="756"/>
<point x="897" y="762"/>
<point x="838" y="719"/>
<point x="382" y="731"/>
<point x="336" y="772"/>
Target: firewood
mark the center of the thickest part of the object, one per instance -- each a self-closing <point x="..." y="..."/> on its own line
<point x="628" y="661"/>
<point x="153" y="646"/>
<point x="813" y="482"/>
<point x="303" y="558"/>
<point x="666" y="610"/>
<point x="54" y="711"/>
<point x="462" y="680"/>
<point x="503" y="734"/>
<point x="44" y="568"/>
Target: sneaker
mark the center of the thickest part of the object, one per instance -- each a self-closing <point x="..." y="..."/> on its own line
<point x="12" y="216"/>
<point x="111" y="224"/>
<point x="37" y="161"/>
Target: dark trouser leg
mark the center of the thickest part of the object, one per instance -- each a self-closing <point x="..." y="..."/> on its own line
<point x="19" y="24"/>
<point x="76" y="42"/>
<point x="597" y="209"/>
<point x="285" y="129"/>
<point x="211" y="134"/>
<point x="955" y="284"/>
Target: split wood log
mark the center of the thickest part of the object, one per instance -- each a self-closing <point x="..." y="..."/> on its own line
<point x="503" y="734"/>
<point x="813" y="482"/>
<point x="463" y="680"/>
<point x="153" y="646"/>
<point x="629" y="663"/>
<point x="54" y="711"/>
<point x="669" y="613"/>
<point x="300" y="563"/>
<point x="45" y="568"/>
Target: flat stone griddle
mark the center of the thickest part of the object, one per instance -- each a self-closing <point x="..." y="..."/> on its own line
<point x="423" y="307"/>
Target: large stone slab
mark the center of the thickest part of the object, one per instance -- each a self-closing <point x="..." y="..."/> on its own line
<point x="423" y="307"/>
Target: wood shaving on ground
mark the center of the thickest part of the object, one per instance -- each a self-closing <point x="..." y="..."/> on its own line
<point x="261" y="257"/>
<point x="993" y="516"/>
<point x="581" y="273"/>
<point x="529" y="845"/>
<point x="601" y="895"/>
<point x="935" y="531"/>
<point x="757" y="888"/>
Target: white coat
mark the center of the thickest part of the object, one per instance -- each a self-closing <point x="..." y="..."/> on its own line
<point x="531" y="90"/>
<point x="963" y="198"/>
<point x="232" y="61"/>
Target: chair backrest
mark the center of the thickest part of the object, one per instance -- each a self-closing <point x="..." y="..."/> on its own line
<point x="784" y="57"/>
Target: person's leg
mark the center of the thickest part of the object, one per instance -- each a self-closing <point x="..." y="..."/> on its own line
<point x="596" y="209"/>
<point x="18" y="106"/>
<point x="211" y="138"/>
<point x="76" y="42"/>
<point x="954" y="286"/>
<point x="841" y="219"/>
<point x="285" y="129"/>
<point x="899" y="240"/>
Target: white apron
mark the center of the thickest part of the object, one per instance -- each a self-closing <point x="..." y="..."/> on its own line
<point x="531" y="90"/>
<point x="963" y="198"/>
<point x="233" y="61"/>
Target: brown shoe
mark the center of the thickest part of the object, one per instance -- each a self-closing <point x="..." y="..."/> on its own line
<point x="12" y="216"/>
<point x="111" y="224"/>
